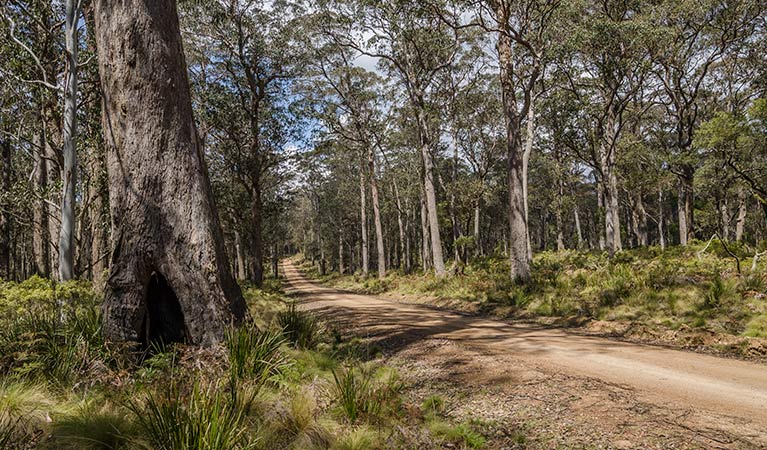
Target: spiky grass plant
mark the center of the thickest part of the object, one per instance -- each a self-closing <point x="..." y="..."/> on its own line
<point x="300" y="327"/>
<point x="255" y="355"/>
<point x="204" y="418"/>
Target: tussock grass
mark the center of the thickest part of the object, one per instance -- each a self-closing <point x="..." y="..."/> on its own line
<point x="299" y="327"/>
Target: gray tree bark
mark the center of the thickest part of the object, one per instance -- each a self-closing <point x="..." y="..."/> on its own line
<point x="242" y="274"/>
<point x="519" y="254"/>
<point x="425" y="253"/>
<point x="5" y="218"/>
<point x="661" y="231"/>
<point x="40" y="232"/>
<point x="740" y="221"/>
<point x="377" y="215"/>
<point x="430" y="193"/>
<point x="67" y="232"/>
<point x="364" y="223"/>
<point x="169" y="277"/>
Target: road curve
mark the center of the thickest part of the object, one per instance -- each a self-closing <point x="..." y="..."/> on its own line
<point x="724" y="387"/>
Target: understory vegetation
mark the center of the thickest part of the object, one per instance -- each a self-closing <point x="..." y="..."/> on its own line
<point x="284" y="381"/>
<point x="696" y="287"/>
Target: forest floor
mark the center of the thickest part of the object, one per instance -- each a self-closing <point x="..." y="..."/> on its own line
<point x="532" y="386"/>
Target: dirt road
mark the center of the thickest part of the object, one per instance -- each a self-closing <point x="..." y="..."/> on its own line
<point x="692" y="400"/>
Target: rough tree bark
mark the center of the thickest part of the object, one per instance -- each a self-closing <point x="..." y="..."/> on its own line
<point x="559" y="216"/>
<point x="661" y="232"/>
<point x="169" y="277"/>
<point x="364" y="223"/>
<point x="684" y="206"/>
<point x="5" y="218"/>
<point x="519" y="254"/>
<point x="67" y="232"/>
<point x="377" y="214"/>
<point x="425" y="247"/>
<point x="40" y="232"/>
<point x="256" y="226"/>
<point x="430" y="193"/>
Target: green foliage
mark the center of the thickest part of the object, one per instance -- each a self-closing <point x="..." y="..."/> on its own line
<point x="299" y="327"/>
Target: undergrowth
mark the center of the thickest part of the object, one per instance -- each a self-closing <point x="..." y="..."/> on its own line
<point x="284" y="381"/>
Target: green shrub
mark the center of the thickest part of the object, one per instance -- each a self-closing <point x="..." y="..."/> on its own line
<point x="206" y="418"/>
<point x="300" y="327"/>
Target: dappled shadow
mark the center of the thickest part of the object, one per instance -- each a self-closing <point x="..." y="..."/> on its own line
<point x="394" y="325"/>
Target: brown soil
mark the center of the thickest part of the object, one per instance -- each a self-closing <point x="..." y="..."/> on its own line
<point x="529" y="386"/>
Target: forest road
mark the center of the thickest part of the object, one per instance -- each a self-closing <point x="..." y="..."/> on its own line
<point x="721" y="394"/>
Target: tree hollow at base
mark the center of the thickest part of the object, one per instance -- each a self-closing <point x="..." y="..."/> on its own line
<point x="164" y="318"/>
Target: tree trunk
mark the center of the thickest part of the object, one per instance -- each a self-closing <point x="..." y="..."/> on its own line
<point x="724" y="212"/>
<point x="341" y="251"/>
<point x="425" y="253"/>
<point x="377" y="215"/>
<point x="430" y="194"/>
<point x="661" y="231"/>
<point x="275" y="262"/>
<point x="639" y="220"/>
<point x="240" y="255"/>
<point x="169" y="277"/>
<point x="52" y="211"/>
<point x="401" y="227"/>
<point x="257" y="243"/>
<point x="41" y="230"/>
<point x="559" y="217"/>
<point x="364" y="223"/>
<point x="740" y="222"/>
<point x="600" y="214"/>
<point x="519" y="254"/>
<point x="578" y="231"/>
<point x="453" y="213"/>
<point x="529" y="136"/>
<point x="477" y="215"/>
<point x="67" y="234"/>
<point x="684" y="206"/>
<point x="5" y="218"/>
<point x="611" y="194"/>
<point x="98" y="214"/>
